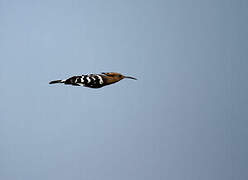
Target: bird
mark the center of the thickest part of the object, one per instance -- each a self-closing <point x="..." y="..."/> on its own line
<point x="93" y="80"/>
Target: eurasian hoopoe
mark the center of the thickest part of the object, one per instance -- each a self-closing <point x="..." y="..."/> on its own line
<point x="93" y="80"/>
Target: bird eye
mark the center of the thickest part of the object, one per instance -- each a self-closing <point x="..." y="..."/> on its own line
<point x="119" y="75"/>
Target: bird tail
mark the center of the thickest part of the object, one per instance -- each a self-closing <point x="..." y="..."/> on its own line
<point x="56" y="81"/>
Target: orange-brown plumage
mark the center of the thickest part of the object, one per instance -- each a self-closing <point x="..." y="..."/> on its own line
<point x="113" y="77"/>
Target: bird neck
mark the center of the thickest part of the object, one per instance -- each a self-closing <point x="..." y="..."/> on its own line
<point x="111" y="80"/>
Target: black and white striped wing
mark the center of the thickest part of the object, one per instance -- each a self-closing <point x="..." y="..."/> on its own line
<point x="91" y="80"/>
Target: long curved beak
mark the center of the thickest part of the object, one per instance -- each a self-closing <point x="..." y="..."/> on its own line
<point x="129" y="77"/>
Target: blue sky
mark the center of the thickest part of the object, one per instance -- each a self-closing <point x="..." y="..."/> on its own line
<point x="185" y="118"/>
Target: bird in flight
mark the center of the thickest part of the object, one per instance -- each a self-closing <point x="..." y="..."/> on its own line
<point x="93" y="80"/>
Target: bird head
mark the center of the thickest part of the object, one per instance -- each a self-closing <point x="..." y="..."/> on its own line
<point x="115" y="77"/>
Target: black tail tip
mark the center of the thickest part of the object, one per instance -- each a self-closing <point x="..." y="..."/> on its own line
<point x="54" y="82"/>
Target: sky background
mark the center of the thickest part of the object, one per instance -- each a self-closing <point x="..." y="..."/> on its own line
<point x="185" y="117"/>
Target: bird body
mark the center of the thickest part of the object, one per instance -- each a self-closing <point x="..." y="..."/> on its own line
<point x="93" y="80"/>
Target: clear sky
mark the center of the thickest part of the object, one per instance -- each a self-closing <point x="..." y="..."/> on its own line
<point x="185" y="117"/>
